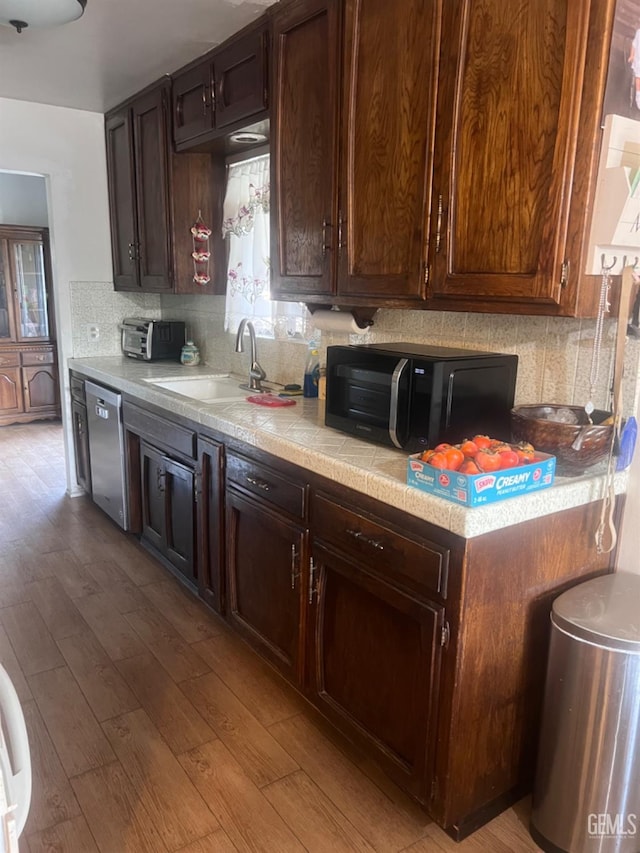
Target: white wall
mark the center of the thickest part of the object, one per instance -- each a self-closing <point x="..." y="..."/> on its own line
<point x="66" y="147"/>
<point x="23" y="200"/>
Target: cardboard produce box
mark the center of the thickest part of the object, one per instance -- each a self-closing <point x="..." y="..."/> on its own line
<point x="481" y="489"/>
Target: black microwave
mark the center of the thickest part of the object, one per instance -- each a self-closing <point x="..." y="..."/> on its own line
<point x="412" y="396"/>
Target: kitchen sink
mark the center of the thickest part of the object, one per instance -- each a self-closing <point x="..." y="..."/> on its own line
<point x="218" y="388"/>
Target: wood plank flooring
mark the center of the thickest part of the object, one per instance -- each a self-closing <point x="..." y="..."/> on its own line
<point x="152" y="727"/>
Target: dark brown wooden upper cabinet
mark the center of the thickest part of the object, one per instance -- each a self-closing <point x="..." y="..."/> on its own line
<point x="304" y="209"/>
<point x="467" y="145"/>
<point x="192" y="96"/>
<point x="350" y="199"/>
<point x="155" y="196"/>
<point x="388" y="110"/>
<point x="122" y="201"/>
<point x="240" y="71"/>
<point x="226" y="89"/>
<point x="139" y="193"/>
<point x="509" y="103"/>
<point x="149" y="116"/>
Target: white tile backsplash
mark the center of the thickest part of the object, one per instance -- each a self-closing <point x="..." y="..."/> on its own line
<point x="554" y="353"/>
<point x="96" y="303"/>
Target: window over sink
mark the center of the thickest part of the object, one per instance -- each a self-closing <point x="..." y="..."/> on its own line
<point x="245" y="229"/>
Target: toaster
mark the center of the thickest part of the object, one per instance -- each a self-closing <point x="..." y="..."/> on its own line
<point x="151" y="340"/>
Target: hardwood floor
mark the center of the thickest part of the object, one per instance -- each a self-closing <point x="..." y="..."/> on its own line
<point x="153" y="727"/>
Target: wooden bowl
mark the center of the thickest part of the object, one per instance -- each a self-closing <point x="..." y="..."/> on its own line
<point x="575" y="446"/>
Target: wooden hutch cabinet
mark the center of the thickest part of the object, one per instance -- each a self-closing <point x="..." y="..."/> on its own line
<point x="28" y="372"/>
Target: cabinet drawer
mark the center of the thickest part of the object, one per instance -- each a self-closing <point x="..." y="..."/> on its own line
<point x="267" y="484"/>
<point x="77" y="389"/>
<point x="29" y="359"/>
<point x="420" y="564"/>
<point x="160" y="431"/>
<point x="9" y="359"/>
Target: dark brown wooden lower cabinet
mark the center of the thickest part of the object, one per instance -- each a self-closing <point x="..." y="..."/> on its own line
<point x="426" y="649"/>
<point x="376" y="665"/>
<point x="210" y="498"/>
<point x="168" y="516"/>
<point x="265" y="555"/>
<point x="81" y="444"/>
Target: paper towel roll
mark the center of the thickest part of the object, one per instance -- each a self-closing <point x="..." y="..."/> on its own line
<point x="337" y="321"/>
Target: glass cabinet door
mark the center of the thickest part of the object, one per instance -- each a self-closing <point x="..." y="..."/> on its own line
<point x="6" y="304"/>
<point x="31" y="294"/>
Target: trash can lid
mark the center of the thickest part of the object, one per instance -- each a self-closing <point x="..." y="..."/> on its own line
<point x="604" y="610"/>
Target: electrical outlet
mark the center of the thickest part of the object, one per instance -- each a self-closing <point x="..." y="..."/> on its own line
<point x="93" y="332"/>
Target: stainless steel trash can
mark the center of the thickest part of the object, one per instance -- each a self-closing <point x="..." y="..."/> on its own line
<point x="587" y="789"/>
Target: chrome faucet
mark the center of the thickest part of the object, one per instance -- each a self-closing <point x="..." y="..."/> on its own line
<point x="256" y="373"/>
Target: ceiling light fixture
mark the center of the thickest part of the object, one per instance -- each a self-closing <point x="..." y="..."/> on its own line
<point x="34" y="13"/>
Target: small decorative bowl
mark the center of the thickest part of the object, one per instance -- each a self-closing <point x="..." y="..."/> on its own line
<point x="576" y="446"/>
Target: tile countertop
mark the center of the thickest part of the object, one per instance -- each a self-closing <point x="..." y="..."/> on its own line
<point x="298" y="434"/>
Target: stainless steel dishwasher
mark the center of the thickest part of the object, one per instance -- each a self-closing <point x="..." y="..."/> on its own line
<point x="106" y="448"/>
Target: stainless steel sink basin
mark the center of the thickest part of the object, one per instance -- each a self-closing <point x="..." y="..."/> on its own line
<point x="218" y="388"/>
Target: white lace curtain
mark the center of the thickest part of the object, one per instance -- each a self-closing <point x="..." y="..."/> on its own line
<point x="246" y="227"/>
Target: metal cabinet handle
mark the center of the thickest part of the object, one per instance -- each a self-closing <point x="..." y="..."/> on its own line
<point x="261" y="484"/>
<point x="132" y="252"/>
<point x="197" y="485"/>
<point x="160" y="479"/>
<point x="294" y="566"/>
<point x="439" y="223"/>
<point x="360" y="536"/>
<point x="325" y="247"/>
<point x="341" y="222"/>
<point x="312" y="578"/>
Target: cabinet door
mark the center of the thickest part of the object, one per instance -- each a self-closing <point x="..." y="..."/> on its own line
<point x="210" y="497"/>
<point x="376" y="655"/>
<point x="11" y="400"/>
<point x="264" y="556"/>
<point x="388" y="112"/>
<point x="152" y="475"/>
<point x="40" y="388"/>
<point x="509" y="99"/>
<point x="151" y="140"/>
<point x="81" y="444"/>
<point x="240" y="74"/>
<point x="120" y="173"/>
<point x="303" y="159"/>
<point x="7" y="326"/>
<point x="192" y="96"/>
<point x="180" y="517"/>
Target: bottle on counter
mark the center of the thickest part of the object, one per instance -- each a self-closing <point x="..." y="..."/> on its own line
<point x="322" y="384"/>
<point x="311" y="371"/>
<point x="190" y="354"/>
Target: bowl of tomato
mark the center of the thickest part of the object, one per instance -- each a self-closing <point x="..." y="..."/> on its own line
<point x="565" y="432"/>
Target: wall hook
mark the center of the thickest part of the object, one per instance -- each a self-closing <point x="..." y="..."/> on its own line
<point x="606" y="268"/>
